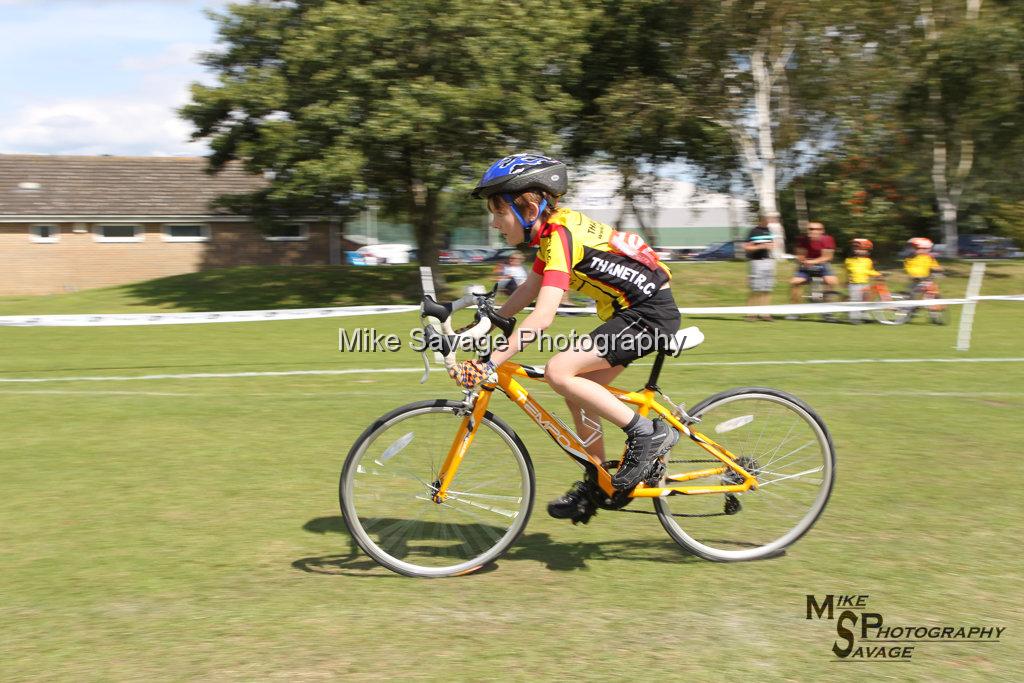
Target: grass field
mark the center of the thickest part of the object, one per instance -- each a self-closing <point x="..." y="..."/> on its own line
<point x="188" y="528"/>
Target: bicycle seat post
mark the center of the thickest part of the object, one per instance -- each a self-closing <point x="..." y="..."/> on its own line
<point x="652" y="381"/>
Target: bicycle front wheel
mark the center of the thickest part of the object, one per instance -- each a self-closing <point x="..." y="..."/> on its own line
<point x="891" y="316"/>
<point x="778" y="439"/>
<point x="390" y="476"/>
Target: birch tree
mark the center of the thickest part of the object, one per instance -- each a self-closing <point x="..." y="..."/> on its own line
<point x="738" y="64"/>
<point x="966" y="98"/>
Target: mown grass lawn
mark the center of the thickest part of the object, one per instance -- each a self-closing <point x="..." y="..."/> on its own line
<point x="188" y="528"/>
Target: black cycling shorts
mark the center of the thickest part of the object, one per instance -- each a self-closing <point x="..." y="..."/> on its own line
<point x="637" y="331"/>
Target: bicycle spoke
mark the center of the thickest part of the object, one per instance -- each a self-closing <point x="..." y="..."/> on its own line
<point x="789" y="476"/>
<point x="396" y="518"/>
<point x="788" y="447"/>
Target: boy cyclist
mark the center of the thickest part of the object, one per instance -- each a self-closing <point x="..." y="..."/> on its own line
<point x="920" y="267"/>
<point x="921" y="264"/>
<point x="859" y="271"/>
<point x="627" y="282"/>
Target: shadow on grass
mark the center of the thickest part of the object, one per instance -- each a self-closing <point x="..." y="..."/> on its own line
<point x="267" y="287"/>
<point x="537" y="547"/>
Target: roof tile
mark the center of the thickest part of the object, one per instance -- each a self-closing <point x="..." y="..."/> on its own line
<point x="116" y="186"/>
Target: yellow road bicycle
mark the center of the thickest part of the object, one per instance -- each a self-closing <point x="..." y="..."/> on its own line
<point x="442" y="487"/>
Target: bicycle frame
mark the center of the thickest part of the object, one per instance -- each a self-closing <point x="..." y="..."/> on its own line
<point x="508" y="381"/>
<point x="880" y="288"/>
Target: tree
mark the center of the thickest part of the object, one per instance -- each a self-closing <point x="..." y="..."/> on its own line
<point x="971" y="99"/>
<point x="755" y="69"/>
<point x="351" y="102"/>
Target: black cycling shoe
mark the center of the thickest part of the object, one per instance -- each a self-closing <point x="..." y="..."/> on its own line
<point x="577" y="504"/>
<point x="642" y="452"/>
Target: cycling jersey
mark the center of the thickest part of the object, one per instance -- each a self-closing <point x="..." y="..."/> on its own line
<point x="860" y="270"/>
<point x="575" y="252"/>
<point x="920" y="266"/>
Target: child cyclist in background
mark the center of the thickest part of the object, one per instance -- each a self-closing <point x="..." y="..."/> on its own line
<point x="921" y="264"/>
<point x="859" y="271"/>
<point x="920" y="267"/>
<point x="630" y="287"/>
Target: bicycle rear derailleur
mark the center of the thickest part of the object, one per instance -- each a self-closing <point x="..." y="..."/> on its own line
<point x="731" y="478"/>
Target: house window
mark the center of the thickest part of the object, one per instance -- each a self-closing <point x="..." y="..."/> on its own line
<point x="186" y="232"/>
<point x="118" y="233"/>
<point x="288" y="232"/>
<point x="45" y="234"/>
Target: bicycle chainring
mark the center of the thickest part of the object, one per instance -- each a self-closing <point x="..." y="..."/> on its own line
<point x="618" y="500"/>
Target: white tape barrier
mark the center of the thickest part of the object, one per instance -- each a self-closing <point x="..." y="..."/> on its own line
<point x="195" y="318"/>
<point x="811" y="309"/>
<point x="115" y="320"/>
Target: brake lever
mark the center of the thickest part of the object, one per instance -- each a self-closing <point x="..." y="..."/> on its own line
<point x="426" y="367"/>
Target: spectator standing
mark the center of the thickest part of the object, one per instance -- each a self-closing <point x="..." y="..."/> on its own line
<point x="761" y="267"/>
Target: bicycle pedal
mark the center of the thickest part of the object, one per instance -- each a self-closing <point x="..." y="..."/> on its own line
<point x="584" y="515"/>
<point x="656" y="473"/>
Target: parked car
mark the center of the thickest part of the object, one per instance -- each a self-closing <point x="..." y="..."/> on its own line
<point x="500" y="255"/>
<point x="982" y="246"/>
<point x="374" y="254"/>
<point x="473" y="255"/>
<point x="718" y="251"/>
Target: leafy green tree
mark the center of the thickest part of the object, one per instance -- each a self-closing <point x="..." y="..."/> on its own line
<point x="757" y="75"/>
<point x="347" y="102"/>
<point x="957" y="80"/>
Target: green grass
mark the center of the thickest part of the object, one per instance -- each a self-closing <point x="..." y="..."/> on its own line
<point x="266" y="287"/>
<point x="188" y="528"/>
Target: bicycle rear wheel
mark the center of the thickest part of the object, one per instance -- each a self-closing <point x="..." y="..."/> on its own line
<point x="391" y="473"/>
<point x="778" y="439"/>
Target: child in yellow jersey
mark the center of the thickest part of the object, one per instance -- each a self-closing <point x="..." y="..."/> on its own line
<point x="859" y="271"/>
<point x="920" y="268"/>
<point x="631" y="289"/>
<point x="922" y="264"/>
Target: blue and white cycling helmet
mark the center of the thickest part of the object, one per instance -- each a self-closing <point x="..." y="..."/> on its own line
<point x="521" y="172"/>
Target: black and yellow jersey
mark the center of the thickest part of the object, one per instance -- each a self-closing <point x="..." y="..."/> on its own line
<point x="577" y="252"/>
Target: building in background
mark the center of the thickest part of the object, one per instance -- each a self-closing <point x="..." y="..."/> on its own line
<point x="75" y="222"/>
<point x="681" y="216"/>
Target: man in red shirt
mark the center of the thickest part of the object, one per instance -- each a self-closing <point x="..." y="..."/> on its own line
<point x="814" y="251"/>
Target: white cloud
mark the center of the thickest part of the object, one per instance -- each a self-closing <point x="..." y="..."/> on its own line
<point x="98" y="126"/>
<point x="101" y="77"/>
<point x="175" y="56"/>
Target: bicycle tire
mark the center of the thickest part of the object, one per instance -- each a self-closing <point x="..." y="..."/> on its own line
<point x="890" y="316"/>
<point x="757" y="505"/>
<point x="830" y="296"/>
<point x="415" y="537"/>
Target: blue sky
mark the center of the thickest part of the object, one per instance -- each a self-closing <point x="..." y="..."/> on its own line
<point x="100" y="76"/>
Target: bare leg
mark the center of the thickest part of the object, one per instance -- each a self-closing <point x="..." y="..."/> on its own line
<point x="590" y="435"/>
<point x="566" y="374"/>
<point x="794" y="289"/>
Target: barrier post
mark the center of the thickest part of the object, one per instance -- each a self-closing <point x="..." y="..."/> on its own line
<point x="963" y="339"/>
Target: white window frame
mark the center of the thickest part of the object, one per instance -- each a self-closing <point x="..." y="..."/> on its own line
<point x="140" y="232"/>
<point x="54" y="233"/>
<point x="303" y="237"/>
<point x="204" y="230"/>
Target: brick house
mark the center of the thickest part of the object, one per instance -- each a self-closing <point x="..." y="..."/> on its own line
<point x="74" y="222"/>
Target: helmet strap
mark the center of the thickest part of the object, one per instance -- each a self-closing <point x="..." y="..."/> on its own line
<point x="527" y="225"/>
